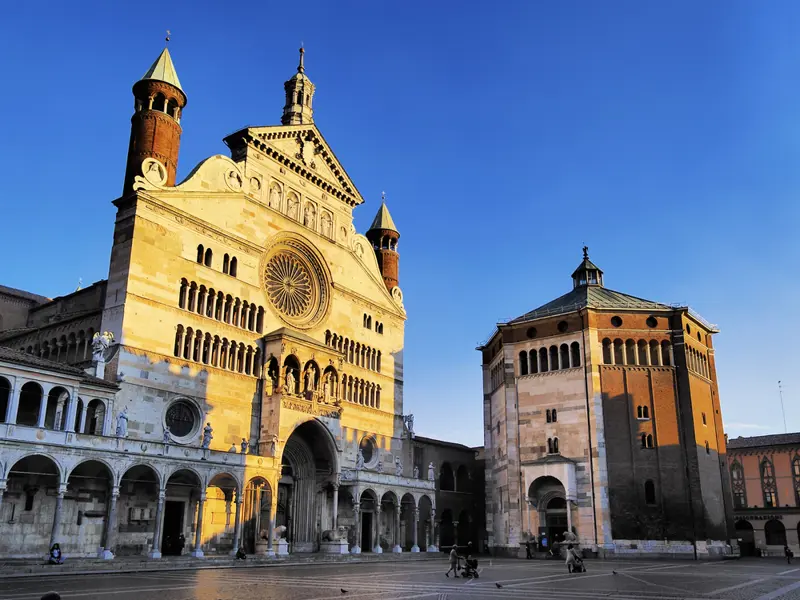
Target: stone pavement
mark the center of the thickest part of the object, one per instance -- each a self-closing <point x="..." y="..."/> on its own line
<point x="748" y="579"/>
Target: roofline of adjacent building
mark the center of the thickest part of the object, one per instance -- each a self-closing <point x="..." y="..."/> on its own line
<point x="446" y="444"/>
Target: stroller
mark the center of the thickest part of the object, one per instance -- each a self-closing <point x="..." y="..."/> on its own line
<point x="470" y="568"/>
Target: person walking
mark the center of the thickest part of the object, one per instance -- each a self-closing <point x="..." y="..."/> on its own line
<point x="453" y="563"/>
<point x="528" y="553"/>
<point x="574" y="563"/>
<point x="788" y="554"/>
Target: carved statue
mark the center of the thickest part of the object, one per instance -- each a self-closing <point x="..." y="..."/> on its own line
<point x="359" y="460"/>
<point x="308" y="216"/>
<point x="308" y="380"/>
<point x="275" y="197"/>
<point x="100" y="343"/>
<point x="416" y="472"/>
<point x="207" y="436"/>
<point x="245" y="445"/>
<point x="232" y="448"/>
<point x="408" y="421"/>
<point x="290" y="381"/>
<point x="398" y="467"/>
<point x="122" y="422"/>
<point x="273" y="445"/>
<point x="279" y="532"/>
<point x="292" y="206"/>
<point x="431" y="472"/>
<point x="167" y="437"/>
<point x="327" y="224"/>
<point x="379" y="467"/>
<point x="334" y="535"/>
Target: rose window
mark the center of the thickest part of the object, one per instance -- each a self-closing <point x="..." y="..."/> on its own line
<point x="288" y="284"/>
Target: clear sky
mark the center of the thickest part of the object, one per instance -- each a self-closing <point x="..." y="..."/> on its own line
<point x="664" y="135"/>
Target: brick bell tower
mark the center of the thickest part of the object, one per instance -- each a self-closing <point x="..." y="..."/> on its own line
<point x="155" y="125"/>
<point x="383" y="235"/>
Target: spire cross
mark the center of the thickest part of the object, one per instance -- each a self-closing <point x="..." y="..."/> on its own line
<point x="383" y="196"/>
<point x="166" y="39"/>
<point x="301" y="68"/>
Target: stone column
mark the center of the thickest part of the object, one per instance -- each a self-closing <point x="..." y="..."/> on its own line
<point x="398" y="547"/>
<point x="3" y="484"/>
<point x="72" y="411"/>
<point x="376" y="534"/>
<point x="356" y="549"/>
<point x="237" y="523"/>
<point x="42" y="412"/>
<point x="62" y="489"/>
<point x="107" y="418"/>
<point x="415" y="547"/>
<point x="155" y="550"/>
<point x="569" y="515"/>
<point x="335" y="520"/>
<point x="82" y="424"/>
<point x="109" y="535"/>
<point x="434" y="547"/>
<point x="13" y="402"/>
<point x="198" y="536"/>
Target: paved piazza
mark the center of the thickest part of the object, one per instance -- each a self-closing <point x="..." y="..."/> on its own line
<point x="742" y="580"/>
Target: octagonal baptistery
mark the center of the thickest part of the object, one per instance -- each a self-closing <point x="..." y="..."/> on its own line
<point x="257" y="343"/>
<point x="603" y="426"/>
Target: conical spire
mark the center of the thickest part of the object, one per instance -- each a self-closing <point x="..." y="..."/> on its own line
<point x="164" y="70"/>
<point x="383" y="220"/>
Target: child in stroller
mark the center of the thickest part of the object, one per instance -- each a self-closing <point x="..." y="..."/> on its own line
<point x="574" y="562"/>
<point x="470" y="568"/>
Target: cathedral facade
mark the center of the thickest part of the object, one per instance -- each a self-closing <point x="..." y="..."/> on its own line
<point x="238" y="379"/>
<point x="602" y="422"/>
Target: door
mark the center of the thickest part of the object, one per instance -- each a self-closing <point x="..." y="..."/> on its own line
<point x="283" y="514"/>
<point x="171" y="543"/>
<point x="366" y="532"/>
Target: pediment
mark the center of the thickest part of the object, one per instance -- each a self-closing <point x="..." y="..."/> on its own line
<point x="303" y="149"/>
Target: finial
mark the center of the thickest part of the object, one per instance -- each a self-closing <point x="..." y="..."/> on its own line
<point x="586" y="252"/>
<point x="80" y="285"/>
<point x="166" y="39"/>
<point x="301" y="68"/>
<point x="383" y="196"/>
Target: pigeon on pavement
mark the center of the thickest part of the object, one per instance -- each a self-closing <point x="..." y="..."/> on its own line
<point x="498" y="585"/>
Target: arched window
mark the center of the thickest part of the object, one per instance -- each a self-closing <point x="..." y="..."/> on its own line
<point x="564" y="356"/>
<point x="446" y="478"/>
<point x="644" y="440"/>
<point x="190" y="305"/>
<point x="649" y="492"/>
<point x="543" y="366"/>
<point x="178" y="341"/>
<point x="737" y="486"/>
<point x="642" y="350"/>
<point x="575" y="349"/>
<point x="647" y="440"/>
<point x="607" y="358"/>
<point x="200" y="253"/>
<point x="226" y="261"/>
<point x="775" y="533"/>
<point x="655" y="353"/>
<point x="234" y="267"/>
<point x="523" y="363"/>
<point x="639" y="414"/>
<point x="547" y="416"/>
<point x="160" y="103"/>
<point x="208" y="256"/>
<point x="183" y="293"/>
<point x="650" y="443"/>
<point x="554" y="358"/>
<point x="645" y="412"/>
<point x="666" y="354"/>
<point x="549" y="445"/>
<point x="619" y="352"/>
<point x="768" y="485"/>
<point x="630" y="352"/>
<point x="796" y="479"/>
<point x="555" y="445"/>
<point x="534" y="362"/>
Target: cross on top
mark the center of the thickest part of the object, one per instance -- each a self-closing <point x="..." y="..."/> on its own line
<point x="383" y="196"/>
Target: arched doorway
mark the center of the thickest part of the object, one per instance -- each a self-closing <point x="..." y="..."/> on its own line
<point x="407" y="507"/>
<point x="548" y="496"/>
<point x="775" y="533"/>
<point x="57" y="402"/>
<point x="137" y="507"/>
<point x="427" y="526"/>
<point x="369" y="526"/>
<point x="182" y="528"/>
<point x="447" y="529"/>
<point x="220" y="514"/>
<point x="746" y="537"/>
<point x="308" y="468"/>
<point x="389" y="527"/>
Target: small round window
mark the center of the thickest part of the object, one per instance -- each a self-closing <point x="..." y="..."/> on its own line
<point x="182" y="419"/>
<point x="562" y="326"/>
<point x="531" y="333"/>
<point x="369" y="450"/>
<point x="651" y="322"/>
<point x="616" y="321"/>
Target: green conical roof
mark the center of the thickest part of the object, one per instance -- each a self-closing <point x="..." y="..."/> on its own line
<point x="164" y="70"/>
<point x="383" y="220"/>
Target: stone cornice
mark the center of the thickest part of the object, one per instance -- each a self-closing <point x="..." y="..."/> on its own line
<point x="371" y="304"/>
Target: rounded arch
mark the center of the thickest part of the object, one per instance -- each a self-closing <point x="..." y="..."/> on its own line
<point x="462" y="479"/>
<point x="30" y="398"/>
<point x="323" y="435"/>
<point x="5" y="396"/>
<point x="389" y="496"/>
<point x="141" y="472"/>
<point x="224" y="480"/>
<point x="368" y="495"/>
<point x="446" y="478"/>
<point x="38" y="463"/>
<point x="775" y="533"/>
<point x="84" y="464"/>
<point x="180" y="472"/>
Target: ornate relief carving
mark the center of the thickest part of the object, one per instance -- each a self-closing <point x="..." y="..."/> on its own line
<point x="154" y="172"/>
<point x="397" y="296"/>
<point x="311" y="408"/>
<point x="292" y="205"/>
<point x="275" y="196"/>
<point x="255" y="187"/>
<point x="309" y="215"/>
<point x="234" y="180"/>
<point x="327" y="224"/>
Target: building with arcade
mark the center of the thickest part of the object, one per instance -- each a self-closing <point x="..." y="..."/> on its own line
<point x="238" y="378"/>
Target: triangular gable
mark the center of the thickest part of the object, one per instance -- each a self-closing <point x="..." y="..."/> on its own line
<point x="303" y="149"/>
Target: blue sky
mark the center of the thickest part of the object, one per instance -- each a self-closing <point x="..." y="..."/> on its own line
<point x="665" y="136"/>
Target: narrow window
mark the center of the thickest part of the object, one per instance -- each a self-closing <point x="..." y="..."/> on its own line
<point x="543" y="367"/>
<point x="547" y="415"/>
<point x="549" y="446"/>
<point x="225" y="263"/>
<point x="704" y="418"/>
<point x="523" y="363"/>
<point x="607" y="358"/>
<point x="650" y="441"/>
<point x="649" y="492"/>
<point x="29" y="495"/>
<point x="639" y="414"/>
<point x="554" y="415"/>
<point x="233" y="267"/>
<point x="575" y="349"/>
<point x="208" y="257"/>
<point x="534" y="362"/>
<point x="555" y="445"/>
<point x="645" y="412"/>
<point x="200" y="253"/>
<point x="644" y="440"/>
